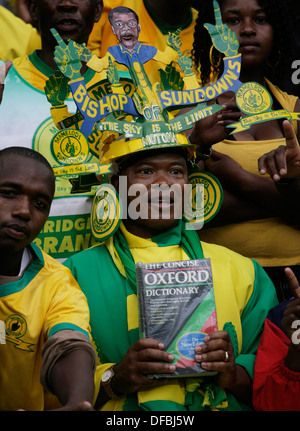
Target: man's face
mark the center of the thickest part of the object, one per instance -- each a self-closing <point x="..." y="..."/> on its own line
<point x="166" y="170"/>
<point x="126" y="28"/>
<point x="73" y="19"/>
<point x="26" y="192"/>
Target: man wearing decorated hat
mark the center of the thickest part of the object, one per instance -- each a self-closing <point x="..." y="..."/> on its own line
<point x="106" y="274"/>
<point x="142" y="149"/>
<point x="44" y="317"/>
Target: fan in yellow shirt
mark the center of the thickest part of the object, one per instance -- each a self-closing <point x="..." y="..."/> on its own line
<point x="44" y="312"/>
<point x="255" y="220"/>
<point x="17" y="37"/>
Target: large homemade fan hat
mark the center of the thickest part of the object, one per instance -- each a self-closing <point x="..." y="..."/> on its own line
<point x="113" y="149"/>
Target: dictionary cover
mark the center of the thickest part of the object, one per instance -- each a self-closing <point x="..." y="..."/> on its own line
<point x="177" y="307"/>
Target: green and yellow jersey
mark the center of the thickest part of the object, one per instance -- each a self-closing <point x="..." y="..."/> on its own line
<point x="46" y="299"/>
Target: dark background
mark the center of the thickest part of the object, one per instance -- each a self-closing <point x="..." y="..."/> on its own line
<point x="289" y="86"/>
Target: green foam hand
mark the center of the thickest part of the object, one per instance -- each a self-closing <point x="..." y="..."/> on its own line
<point x="173" y="40"/>
<point x="223" y="38"/>
<point x="67" y="57"/>
<point x="57" y="88"/>
<point x="112" y="73"/>
<point x="170" y="79"/>
<point x="186" y="64"/>
<point x="84" y="53"/>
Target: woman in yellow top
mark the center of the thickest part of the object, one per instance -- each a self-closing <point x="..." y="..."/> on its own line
<point x="256" y="219"/>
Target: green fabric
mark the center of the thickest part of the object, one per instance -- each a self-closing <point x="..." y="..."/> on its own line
<point x="179" y="234"/>
<point x="214" y="396"/>
<point x="229" y="327"/>
<point x="28" y="275"/>
<point x="190" y="243"/>
<point x="107" y="291"/>
<point x="163" y="406"/>
<point x="263" y="294"/>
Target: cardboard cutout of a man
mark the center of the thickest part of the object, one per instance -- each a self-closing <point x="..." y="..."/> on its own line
<point x="125" y="25"/>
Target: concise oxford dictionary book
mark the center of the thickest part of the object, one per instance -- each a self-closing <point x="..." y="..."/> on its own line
<point x="177" y="307"/>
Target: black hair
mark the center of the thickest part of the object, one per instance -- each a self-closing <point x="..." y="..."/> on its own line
<point x="29" y="154"/>
<point x="26" y="152"/>
<point x="279" y="15"/>
<point x="122" y="9"/>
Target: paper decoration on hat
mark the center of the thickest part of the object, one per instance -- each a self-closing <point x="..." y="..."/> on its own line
<point x="133" y="123"/>
<point x="212" y="197"/>
<point x="69" y="146"/>
<point x="106" y="214"/>
<point x="255" y="101"/>
<point x="145" y="120"/>
<point x="70" y="149"/>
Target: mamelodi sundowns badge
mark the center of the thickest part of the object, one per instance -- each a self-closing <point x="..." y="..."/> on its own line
<point x="211" y="193"/>
<point x="256" y="102"/>
<point x="106" y="214"/>
<point x="70" y="149"/>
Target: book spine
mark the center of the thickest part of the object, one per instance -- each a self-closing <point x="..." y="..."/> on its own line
<point x="141" y="300"/>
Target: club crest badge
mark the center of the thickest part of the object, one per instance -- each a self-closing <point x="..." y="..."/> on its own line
<point x="253" y="98"/>
<point x="106" y="212"/>
<point x="212" y="196"/>
<point x="70" y="149"/>
<point x="16" y="328"/>
<point x="256" y="102"/>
